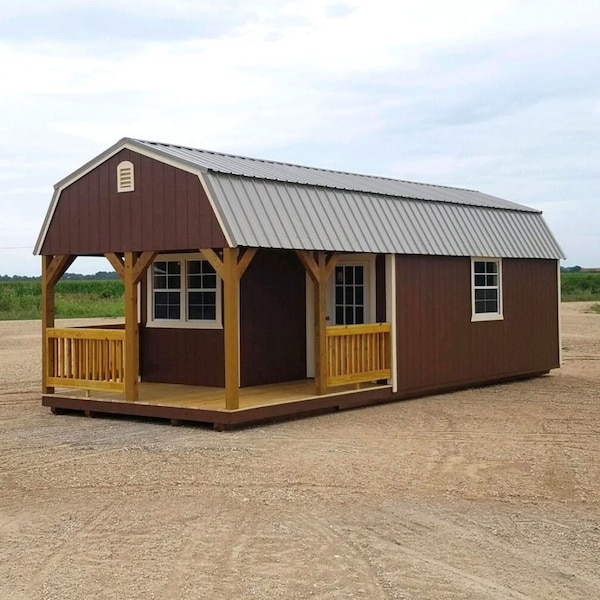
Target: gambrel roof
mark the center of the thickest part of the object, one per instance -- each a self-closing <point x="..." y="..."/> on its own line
<point x="268" y="204"/>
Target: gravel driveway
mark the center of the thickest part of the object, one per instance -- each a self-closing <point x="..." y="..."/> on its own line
<point x="487" y="493"/>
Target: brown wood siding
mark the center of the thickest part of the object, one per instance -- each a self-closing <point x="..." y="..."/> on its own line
<point x="273" y="319"/>
<point x="186" y="356"/>
<point x="380" y="287"/>
<point x="168" y="211"/>
<point x="177" y="355"/>
<point x="439" y="347"/>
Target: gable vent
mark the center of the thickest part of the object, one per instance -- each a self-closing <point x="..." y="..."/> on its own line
<point x="125" y="181"/>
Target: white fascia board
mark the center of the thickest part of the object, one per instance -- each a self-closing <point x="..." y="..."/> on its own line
<point x="63" y="183"/>
<point x="210" y="194"/>
<point x="127" y="144"/>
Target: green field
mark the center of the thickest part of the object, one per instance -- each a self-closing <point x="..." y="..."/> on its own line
<point x="73" y="299"/>
<point x="576" y="287"/>
<point x="104" y="298"/>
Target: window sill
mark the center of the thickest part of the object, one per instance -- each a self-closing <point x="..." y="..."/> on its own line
<point x="167" y="324"/>
<point x="486" y="317"/>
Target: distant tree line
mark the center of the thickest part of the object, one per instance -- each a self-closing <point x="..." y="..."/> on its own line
<point x="99" y="276"/>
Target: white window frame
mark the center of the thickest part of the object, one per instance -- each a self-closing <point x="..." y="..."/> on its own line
<point x="491" y="316"/>
<point x="183" y="321"/>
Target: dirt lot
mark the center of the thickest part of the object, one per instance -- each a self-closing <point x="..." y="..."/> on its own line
<point x="486" y="493"/>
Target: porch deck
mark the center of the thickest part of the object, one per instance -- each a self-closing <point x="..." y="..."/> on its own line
<point x="182" y="403"/>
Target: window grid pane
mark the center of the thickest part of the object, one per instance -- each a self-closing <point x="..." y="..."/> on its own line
<point x="201" y="291"/>
<point x="166" y="276"/>
<point x="349" y="295"/>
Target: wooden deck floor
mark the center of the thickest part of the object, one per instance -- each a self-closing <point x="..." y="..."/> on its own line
<point x="181" y="403"/>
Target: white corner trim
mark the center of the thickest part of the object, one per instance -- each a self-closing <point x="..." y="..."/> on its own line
<point x="390" y="309"/>
<point x="560" y="349"/>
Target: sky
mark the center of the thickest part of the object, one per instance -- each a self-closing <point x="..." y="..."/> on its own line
<point x="502" y="96"/>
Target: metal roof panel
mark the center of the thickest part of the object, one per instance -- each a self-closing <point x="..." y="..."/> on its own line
<point x="229" y="164"/>
<point x="274" y="214"/>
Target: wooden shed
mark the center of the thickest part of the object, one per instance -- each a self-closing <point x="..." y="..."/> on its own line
<point x="257" y="290"/>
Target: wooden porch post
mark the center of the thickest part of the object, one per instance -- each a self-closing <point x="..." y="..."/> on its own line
<point x="131" y="269"/>
<point x="320" y="308"/>
<point x="230" y="270"/>
<point x="53" y="267"/>
<point x="319" y="271"/>
<point x="231" y="291"/>
<point x="47" y="321"/>
<point x="132" y="332"/>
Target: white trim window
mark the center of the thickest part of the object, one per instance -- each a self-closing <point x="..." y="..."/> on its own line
<point x="184" y="291"/>
<point x="486" y="289"/>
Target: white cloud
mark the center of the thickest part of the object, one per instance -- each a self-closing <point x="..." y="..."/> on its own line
<point x="502" y="96"/>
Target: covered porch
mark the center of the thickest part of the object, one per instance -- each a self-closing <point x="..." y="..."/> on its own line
<point x="97" y="369"/>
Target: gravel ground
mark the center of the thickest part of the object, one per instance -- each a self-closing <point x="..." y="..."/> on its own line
<point x="485" y="493"/>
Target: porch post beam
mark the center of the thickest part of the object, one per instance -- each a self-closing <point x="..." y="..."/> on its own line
<point x="144" y="260"/>
<point x="319" y="270"/>
<point x="117" y="264"/>
<point x="53" y="267"/>
<point x="57" y="266"/>
<point x="244" y="261"/>
<point x="308" y="261"/>
<point x="332" y="260"/>
<point x="231" y="327"/>
<point x="132" y="361"/>
<point x="213" y="258"/>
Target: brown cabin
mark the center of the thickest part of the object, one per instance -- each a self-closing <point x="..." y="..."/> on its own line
<point x="257" y="290"/>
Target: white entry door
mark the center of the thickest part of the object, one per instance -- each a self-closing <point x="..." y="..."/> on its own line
<point x="350" y="298"/>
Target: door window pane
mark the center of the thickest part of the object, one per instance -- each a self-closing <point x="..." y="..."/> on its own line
<point x="349" y="294"/>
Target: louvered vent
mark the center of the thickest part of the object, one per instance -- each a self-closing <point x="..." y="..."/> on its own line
<point x="125" y="182"/>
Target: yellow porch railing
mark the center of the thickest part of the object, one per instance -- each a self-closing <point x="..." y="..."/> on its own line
<point x="358" y="353"/>
<point x="86" y="358"/>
